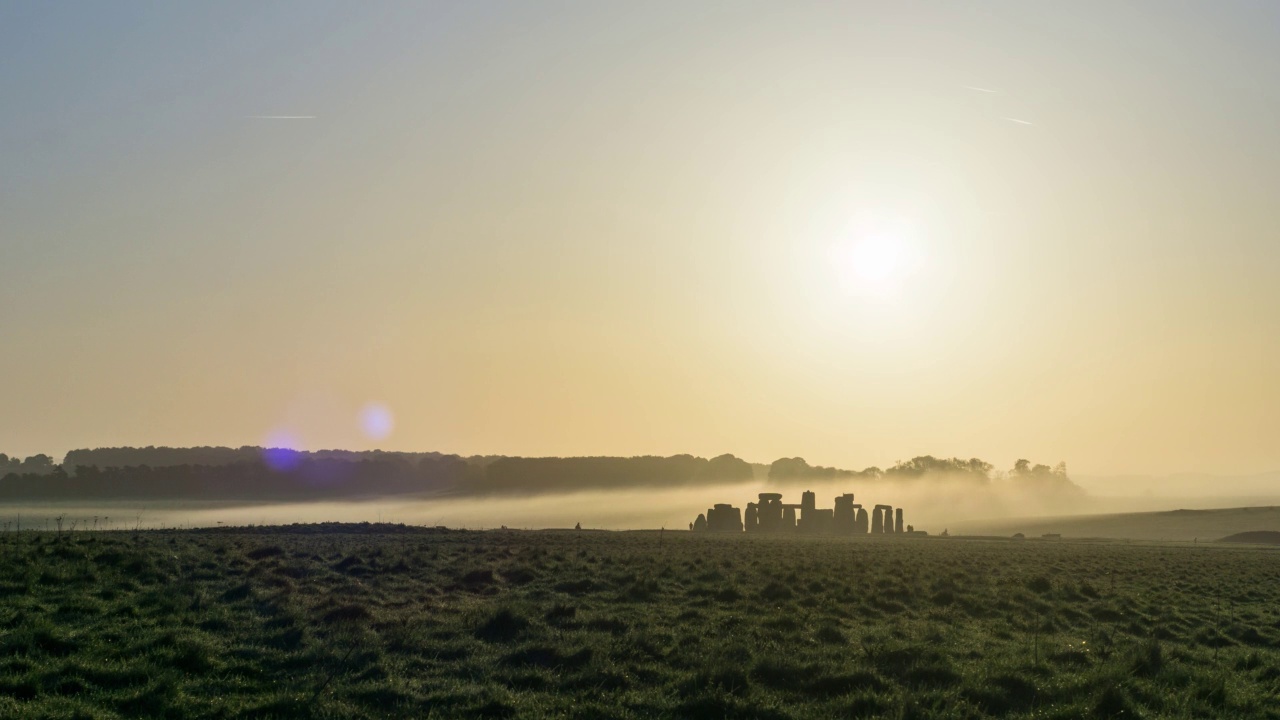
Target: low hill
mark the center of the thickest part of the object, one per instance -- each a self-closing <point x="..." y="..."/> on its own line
<point x="1180" y="525"/>
<point x="1255" y="537"/>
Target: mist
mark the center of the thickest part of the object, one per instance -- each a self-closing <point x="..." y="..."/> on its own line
<point x="932" y="503"/>
<point x="1147" y="493"/>
<point x="929" y="504"/>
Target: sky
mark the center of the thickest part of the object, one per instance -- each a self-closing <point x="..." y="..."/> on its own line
<point x="853" y="232"/>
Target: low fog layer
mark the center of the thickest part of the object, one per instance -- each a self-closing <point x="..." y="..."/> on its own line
<point x="1143" y="493"/>
<point x="254" y="486"/>
<point x="929" y="504"/>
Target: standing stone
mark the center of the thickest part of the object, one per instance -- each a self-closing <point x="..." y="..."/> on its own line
<point x="862" y="524"/>
<point x="770" y="512"/>
<point x="808" y="503"/>
<point x="718" y="519"/>
<point x="822" y="522"/>
<point x="733" y="520"/>
<point x="724" y="518"/>
<point x="752" y="519"/>
<point x="788" y="519"/>
<point x="845" y="515"/>
<point x="700" y="524"/>
<point x="897" y="520"/>
<point x="882" y="519"/>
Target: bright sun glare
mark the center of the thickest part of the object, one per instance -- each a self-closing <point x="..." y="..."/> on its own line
<point x="873" y="263"/>
<point x="876" y="259"/>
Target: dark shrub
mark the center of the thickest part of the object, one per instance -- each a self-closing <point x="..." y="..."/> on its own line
<point x="346" y="614"/>
<point x="502" y="627"/>
<point x="548" y="657"/>
<point x="1149" y="659"/>
<point x="239" y="592"/>
<point x="519" y="576"/>
<point x="1040" y="584"/>
<point x="560" y="612"/>
<point x="776" y="591"/>
<point x="1112" y="703"/>
<point x="478" y="578"/>
<point x="263" y="553"/>
<point x="781" y="675"/>
<point x="836" y="685"/>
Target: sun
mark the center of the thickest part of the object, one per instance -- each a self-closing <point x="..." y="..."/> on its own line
<point x="874" y="263"/>
<point x="876" y="259"/>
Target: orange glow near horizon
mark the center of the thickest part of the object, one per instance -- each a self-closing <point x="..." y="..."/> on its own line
<point x="800" y="230"/>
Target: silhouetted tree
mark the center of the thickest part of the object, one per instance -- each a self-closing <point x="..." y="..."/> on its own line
<point x="211" y="456"/>
<point x="37" y="465"/>
<point x="531" y="475"/>
<point x="791" y="469"/>
<point x="928" y="465"/>
<point x="726" y="468"/>
<point x="1042" y="479"/>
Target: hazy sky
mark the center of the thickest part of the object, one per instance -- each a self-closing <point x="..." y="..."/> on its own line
<point x="854" y="232"/>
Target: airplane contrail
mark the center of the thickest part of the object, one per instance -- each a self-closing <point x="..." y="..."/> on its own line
<point x="281" y="117"/>
<point x="979" y="89"/>
<point x="1020" y="122"/>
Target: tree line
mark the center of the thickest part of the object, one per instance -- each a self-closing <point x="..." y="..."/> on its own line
<point x="278" y="475"/>
<point x="789" y="470"/>
<point x="153" y="456"/>
<point x="34" y="465"/>
<point x="252" y="473"/>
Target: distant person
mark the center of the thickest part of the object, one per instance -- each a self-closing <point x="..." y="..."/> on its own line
<point x="577" y="526"/>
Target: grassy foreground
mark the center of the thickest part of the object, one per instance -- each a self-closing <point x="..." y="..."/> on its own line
<point x="381" y="621"/>
<point x="1170" y="525"/>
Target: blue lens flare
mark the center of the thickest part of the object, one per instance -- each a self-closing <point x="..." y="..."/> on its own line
<point x="376" y="421"/>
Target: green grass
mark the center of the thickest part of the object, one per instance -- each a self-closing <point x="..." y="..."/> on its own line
<point x="368" y="621"/>
<point x="1172" y="525"/>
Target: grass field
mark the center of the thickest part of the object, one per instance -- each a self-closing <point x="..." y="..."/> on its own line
<point x="1167" y="526"/>
<point x="382" y="621"/>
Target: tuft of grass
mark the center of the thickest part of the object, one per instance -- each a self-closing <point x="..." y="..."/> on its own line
<point x="503" y="626"/>
<point x="346" y="614"/>
<point x="264" y="552"/>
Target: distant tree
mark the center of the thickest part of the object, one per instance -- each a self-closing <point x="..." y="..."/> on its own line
<point x="214" y="456"/>
<point x="928" y="465"/>
<point x="726" y="468"/>
<point x="1024" y="469"/>
<point x="788" y="468"/>
<point x="37" y="465"/>
<point x="1041" y="478"/>
<point x="38" y="462"/>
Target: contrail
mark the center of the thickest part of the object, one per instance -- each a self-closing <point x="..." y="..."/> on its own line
<point x="1020" y="122"/>
<point x="281" y="117"/>
<point x="979" y="89"/>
